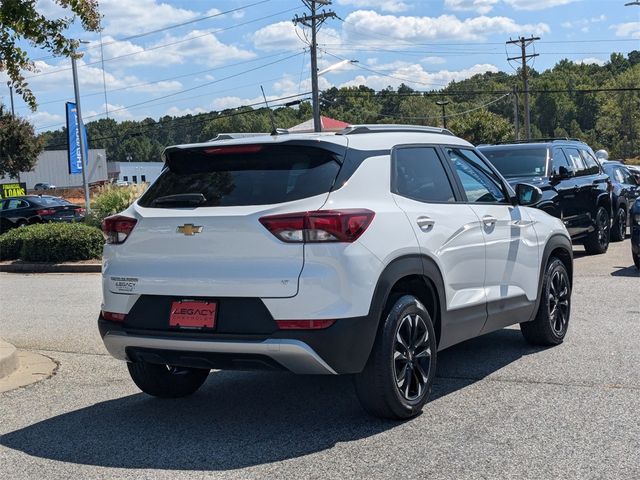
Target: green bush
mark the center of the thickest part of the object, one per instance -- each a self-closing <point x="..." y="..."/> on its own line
<point x="111" y="199"/>
<point x="52" y="242"/>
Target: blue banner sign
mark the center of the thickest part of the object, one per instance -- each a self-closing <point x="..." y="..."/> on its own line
<point x="73" y="139"/>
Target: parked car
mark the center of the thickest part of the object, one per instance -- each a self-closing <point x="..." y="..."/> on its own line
<point x="29" y="209"/>
<point x="625" y="191"/>
<point x="635" y="171"/>
<point x="43" y="186"/>
<point x="574" y="186"/>
<point x="363" y="252"/>
<point x="635" y="232"/>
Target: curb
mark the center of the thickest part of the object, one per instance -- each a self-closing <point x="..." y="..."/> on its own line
<point x="8" y="359"/>
<point x="23" y="267"/>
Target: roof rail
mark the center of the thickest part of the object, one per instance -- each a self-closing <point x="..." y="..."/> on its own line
<point x="542" y="140"/>
<point x="391" y="128"/>
<point x="231" y="136"/>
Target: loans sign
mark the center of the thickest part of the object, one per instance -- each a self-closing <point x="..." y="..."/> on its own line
<point x="12" y="190"/>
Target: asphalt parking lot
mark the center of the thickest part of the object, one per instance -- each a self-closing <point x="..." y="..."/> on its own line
<point x="499" y="409"/>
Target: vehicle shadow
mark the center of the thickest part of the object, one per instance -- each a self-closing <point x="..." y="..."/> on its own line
<point x="631" y="271"/>
<point x="241" y="419"/>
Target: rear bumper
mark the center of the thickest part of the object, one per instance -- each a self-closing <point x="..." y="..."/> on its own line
<point x="293" y="355"/>
<point x="340" y="349"/>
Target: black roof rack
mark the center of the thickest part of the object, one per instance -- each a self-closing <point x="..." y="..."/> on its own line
<point x="542" y="140"/>
<point x="391" y="128"/>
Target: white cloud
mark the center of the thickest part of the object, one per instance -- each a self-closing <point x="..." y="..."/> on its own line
<point x="480" y="6"/>
<point x="286" y="36"/>
<point x="537" y="4"/>
<point x="393" y="6"/>
<point x="433" y="60"/>
<point x="627" y="30"/>
<point x="126" y="17"/>
<point x="592" y="61"/>
<point x="179" y="112"/>
<point x="42" y="118"/>
<point x="411" y="73"/>
<point x="198" y="46"/>
<point x="583" y="23"/>
<point x="415" y="29"/>
<point x="485" y="6"/>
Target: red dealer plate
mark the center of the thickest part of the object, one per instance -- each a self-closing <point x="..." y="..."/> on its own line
<point x="190" y="314"/>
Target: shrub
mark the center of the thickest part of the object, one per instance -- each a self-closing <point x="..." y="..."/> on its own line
<point x="52" y="242"/>
<point x="111" y="199"/>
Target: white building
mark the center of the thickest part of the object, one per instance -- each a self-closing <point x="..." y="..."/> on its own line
<point x="53" y="167"/>
<point x="134" y="172"/>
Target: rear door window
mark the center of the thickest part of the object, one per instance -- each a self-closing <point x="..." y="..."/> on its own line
<point x="419" y="174"/>
<point x="577" y="161"/>
<point x="243" y="175"/>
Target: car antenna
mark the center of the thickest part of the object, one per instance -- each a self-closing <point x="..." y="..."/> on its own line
<point x="273" y="122"/>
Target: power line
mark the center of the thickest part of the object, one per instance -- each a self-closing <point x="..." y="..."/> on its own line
<point x="164" y="45"/>
<point x="186" y="89"/>
<point x="163" y="29"/>
<point x="210" y="117"/>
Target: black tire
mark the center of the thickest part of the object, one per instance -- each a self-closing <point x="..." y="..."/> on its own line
<point x="598" y="241"/>
<point x="165" y="381"/>
<point x="636" y="260"/>
<point x="619" y="229"/>
<point x="550" y="325"/>
<point x="21" y="223"/>
<point x="380" y="392"/>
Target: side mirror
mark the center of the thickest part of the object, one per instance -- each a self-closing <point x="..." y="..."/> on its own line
<point x="527" y="194"/>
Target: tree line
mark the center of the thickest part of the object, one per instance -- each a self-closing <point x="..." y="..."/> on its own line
<point x="597" y="103"/>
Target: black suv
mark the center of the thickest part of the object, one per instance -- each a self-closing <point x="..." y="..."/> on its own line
<point x="574" y="186"/>
<point x="625" y="192"/>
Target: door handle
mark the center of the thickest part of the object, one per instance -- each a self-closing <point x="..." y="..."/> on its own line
<point x="425" y="223"/>
<point x="489" y="220"/>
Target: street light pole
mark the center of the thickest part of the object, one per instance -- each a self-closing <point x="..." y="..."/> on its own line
<point x="443" y="103"/>
<point x="13" y="112"/>
<point x="76" y="89"/>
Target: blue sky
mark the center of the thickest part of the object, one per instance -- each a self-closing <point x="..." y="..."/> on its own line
<point x="221" y="61"/>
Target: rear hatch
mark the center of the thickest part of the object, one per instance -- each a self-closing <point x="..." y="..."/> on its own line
<point x="198" y="231"/>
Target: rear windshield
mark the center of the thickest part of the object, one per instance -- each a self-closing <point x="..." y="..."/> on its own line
<point x="51" y="201"/>
<point x="236" y="176"/>
<point x="518" y="162"/>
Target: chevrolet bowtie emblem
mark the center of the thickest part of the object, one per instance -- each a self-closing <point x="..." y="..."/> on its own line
<point x="189" y="229"/>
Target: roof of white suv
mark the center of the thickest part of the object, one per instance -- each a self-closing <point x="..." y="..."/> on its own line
<point x="361" y="137"/>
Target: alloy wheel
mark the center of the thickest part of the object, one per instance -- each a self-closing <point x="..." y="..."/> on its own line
<point x="558" y="302"/>
<point x="622" y="223"/>
<point x="412" y="357"/>
<point x="602" y="221"/>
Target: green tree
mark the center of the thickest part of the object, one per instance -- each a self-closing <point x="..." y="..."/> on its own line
<point x="482" y="126"/>
<point x="19" y="20"/>
<point x="19" y="147"/>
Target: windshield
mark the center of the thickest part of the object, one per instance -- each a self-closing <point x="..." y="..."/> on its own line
<point x="518" y="162"/>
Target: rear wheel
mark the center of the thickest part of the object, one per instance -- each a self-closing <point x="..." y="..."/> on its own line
<point x="21" y="223"/>
<point x="636" y="260"/>
<point x="619" y="229"/>
<point x="397" y="379"/>
<point x="552" y="320"/>
<point x="598" y="241"/>
<point x="167" y="381"/>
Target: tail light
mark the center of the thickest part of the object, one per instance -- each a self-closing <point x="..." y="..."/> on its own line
<point x="304" y="324"/>
<point x="319" y="226"/>
<point x="117" y="228"/>
<point x="81" y="211"/>
<point x="45" y="211"/>
<point x="114" y="317"/>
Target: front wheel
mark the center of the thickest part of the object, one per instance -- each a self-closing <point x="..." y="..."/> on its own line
<point x="619" y="230"/>
<point x="166" y="381"/>
<point x="397" y="378"/>
<point x="598" y="241"/>
<point x="550" y="325"/>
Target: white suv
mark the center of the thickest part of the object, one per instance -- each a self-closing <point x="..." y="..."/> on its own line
<point x="362" y="252"/>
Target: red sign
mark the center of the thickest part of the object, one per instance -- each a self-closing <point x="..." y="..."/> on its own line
<point x="190" y="314"/>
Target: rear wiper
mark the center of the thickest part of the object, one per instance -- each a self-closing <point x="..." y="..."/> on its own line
<point x="186" y="199"/>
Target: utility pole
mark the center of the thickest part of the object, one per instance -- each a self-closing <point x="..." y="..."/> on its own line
<point x="516" y="113"/>
<point x="76" y="89"/>
<point x="443" y="103"/>
<point x="313" y="21"/>
<point x="13" y="112"/>
<point x="524" y="43"/>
